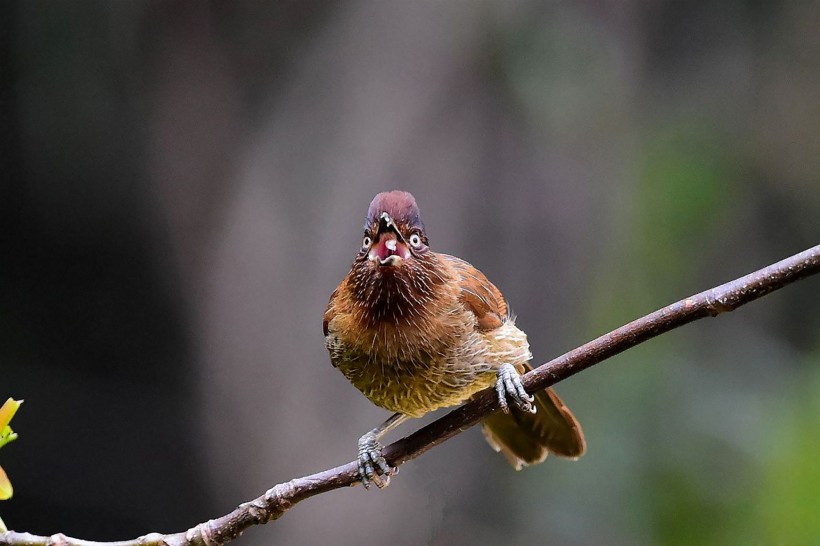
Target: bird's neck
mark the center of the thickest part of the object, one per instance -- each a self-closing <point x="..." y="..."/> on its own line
<point x="402" y="296"/>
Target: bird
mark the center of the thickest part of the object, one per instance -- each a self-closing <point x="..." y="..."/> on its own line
<point x="416" y="330"/>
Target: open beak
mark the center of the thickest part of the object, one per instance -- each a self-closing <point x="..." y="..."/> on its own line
<point x="389" y="247"/>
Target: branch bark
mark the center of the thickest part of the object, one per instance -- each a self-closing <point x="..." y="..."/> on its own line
<point x="280" y="498"/>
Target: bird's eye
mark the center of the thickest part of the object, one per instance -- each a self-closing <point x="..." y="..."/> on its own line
<point x="415" y="240"/>
<point x="366" y="242"/>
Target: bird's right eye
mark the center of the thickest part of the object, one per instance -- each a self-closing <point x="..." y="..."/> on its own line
<point x="366" y="242"/>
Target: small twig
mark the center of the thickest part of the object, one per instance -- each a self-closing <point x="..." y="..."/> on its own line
<point x="277" y="500"/>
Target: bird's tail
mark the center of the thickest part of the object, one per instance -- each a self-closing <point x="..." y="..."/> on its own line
<point x="527" y="438"/>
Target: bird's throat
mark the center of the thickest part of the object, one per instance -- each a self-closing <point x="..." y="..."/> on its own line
<point x="402" y="294"/>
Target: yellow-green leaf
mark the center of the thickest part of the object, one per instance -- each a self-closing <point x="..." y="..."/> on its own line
<point x="6" y="491"/>
<point x="8" y="410"/>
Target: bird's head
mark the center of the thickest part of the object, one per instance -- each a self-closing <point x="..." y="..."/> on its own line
<point x="394" y="274"/>
<point x="393" y="233"/>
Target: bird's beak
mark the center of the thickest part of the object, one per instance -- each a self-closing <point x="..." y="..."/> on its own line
<point x="386" y="225"/>
<point x="389" y="248"/>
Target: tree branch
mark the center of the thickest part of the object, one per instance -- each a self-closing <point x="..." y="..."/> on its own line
<point x="280" y="498"/>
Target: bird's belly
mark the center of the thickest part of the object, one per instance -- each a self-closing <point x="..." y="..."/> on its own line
<point x="415" y="387"/>
<point x="423" y="380"/>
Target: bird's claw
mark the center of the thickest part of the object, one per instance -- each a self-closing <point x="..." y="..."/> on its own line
<point x="509" y="385"/>
<point x="372" y="465"/>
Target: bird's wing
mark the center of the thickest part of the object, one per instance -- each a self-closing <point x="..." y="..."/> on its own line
<point x="479" y="295"/>
<point x="330" y="312"/>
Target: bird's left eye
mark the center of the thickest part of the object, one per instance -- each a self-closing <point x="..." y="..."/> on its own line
<point x="366" y="242"/>
<point x="415" y="240"/>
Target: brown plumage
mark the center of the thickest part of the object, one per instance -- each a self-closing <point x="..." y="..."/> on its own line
<point x="415" y="330"/>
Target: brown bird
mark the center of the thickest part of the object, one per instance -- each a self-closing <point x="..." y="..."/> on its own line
<point x="415" y="330"/>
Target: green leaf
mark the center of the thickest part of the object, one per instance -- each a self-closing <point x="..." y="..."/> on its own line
<point x="7" y="435"/>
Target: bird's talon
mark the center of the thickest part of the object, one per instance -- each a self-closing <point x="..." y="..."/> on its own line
<point x="372" y="466"/>
<point x="509" y="385"/>
<point x="502" y="395"/>
<point x="385" y="468"/>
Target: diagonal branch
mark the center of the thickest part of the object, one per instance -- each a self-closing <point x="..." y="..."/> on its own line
<point x="277" y="500"/>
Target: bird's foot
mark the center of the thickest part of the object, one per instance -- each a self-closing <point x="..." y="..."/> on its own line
<point x="372" y="465"/>
<point x="509" y="385"/>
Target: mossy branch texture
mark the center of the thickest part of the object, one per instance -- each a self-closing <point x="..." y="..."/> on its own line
<point x="280" y="498"/>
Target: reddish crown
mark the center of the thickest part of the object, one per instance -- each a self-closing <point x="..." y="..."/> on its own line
<point x="400" y="205"/>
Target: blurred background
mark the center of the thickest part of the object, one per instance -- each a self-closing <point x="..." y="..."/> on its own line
<point x="184" y="184"/>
